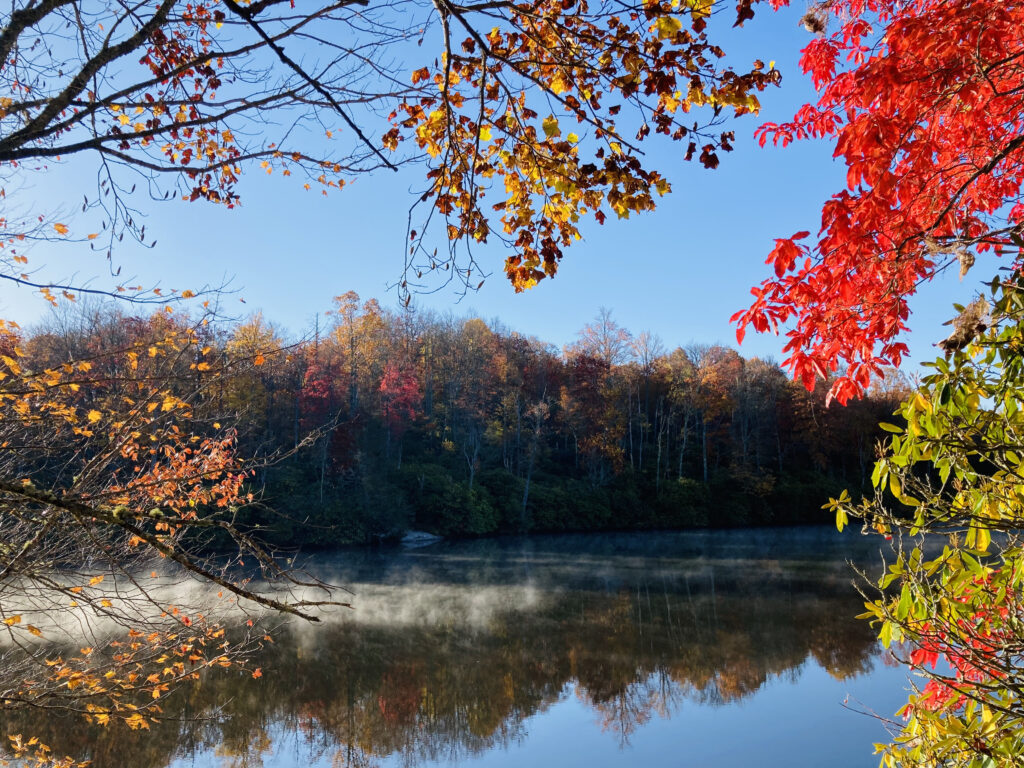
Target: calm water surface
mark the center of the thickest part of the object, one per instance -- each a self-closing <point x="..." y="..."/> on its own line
<point x="669" y="650"/>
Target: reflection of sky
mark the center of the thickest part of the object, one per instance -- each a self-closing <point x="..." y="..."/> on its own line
<point x="795" y="719"/>
<point x="798" y="724"/>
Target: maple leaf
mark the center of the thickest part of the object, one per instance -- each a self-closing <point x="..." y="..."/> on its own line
<point x="928" y="124"/>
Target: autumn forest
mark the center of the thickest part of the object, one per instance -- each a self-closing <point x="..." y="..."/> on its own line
<point x="178" y="480"/>
<point x="383" y="421"/>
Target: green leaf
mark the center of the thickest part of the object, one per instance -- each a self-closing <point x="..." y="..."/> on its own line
<point x="894" y="486"/>
<point x="550" y="125"/>
<point x="903" y="607"/>
<point x="886" y="634"/>
<point x="878" y="473"/>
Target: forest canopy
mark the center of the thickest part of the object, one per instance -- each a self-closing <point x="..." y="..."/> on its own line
<point x="386" y="420"/>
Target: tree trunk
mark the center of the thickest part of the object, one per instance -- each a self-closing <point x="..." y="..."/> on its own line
<point x="704" y="444"/>
<point x="682" y="447"/>
<point x="657" y="464"/>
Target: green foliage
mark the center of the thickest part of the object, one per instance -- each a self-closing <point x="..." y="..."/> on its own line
<point x="447" y="507"/>
<point x="685" y="503"/>
<point x="951" y="603"/>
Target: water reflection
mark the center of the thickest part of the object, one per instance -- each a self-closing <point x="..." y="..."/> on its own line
<point x="459" y="650"/>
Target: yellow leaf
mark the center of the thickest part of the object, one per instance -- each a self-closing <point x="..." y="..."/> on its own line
<point x="485" y="133"/>
<point x="95" y="416"/>
<point x="10" y="621"/>
<point x="95" y="580"/>
<point x="136" y="721"/>
<point x="551" y="128"/>
<point x="93" y="236"/>
<point x="668" y="26"/>
<point x="700" y="8"/>
<point x="34" y="630"/>
<point x="559" y="83"/>
<point x="62" y="229"/>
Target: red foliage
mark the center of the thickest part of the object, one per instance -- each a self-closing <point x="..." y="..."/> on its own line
<point x="319" y="397"/>
<point x="399" y="394"/>
<point x="970" y="647"/>
<point x="923" y="101"/>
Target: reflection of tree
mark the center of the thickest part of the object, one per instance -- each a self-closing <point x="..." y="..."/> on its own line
<point x="248" y="755"/>
<point x="634" y="642"/>
<point x="624" y="713"/>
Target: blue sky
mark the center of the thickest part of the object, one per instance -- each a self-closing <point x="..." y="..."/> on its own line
<point x="679" y="272"/>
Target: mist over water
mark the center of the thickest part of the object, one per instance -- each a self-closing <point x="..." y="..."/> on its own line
<point x="731" y="648"/>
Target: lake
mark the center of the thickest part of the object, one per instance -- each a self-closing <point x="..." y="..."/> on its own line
<point x="711" y="648"/>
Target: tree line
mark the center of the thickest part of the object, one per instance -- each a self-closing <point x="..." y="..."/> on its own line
<point x="380" y="421"/>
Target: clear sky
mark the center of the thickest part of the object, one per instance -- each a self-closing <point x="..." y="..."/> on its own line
<point x="679" y="272"/>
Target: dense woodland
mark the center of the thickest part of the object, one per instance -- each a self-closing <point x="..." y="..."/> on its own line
<point x="380" y="421"/>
